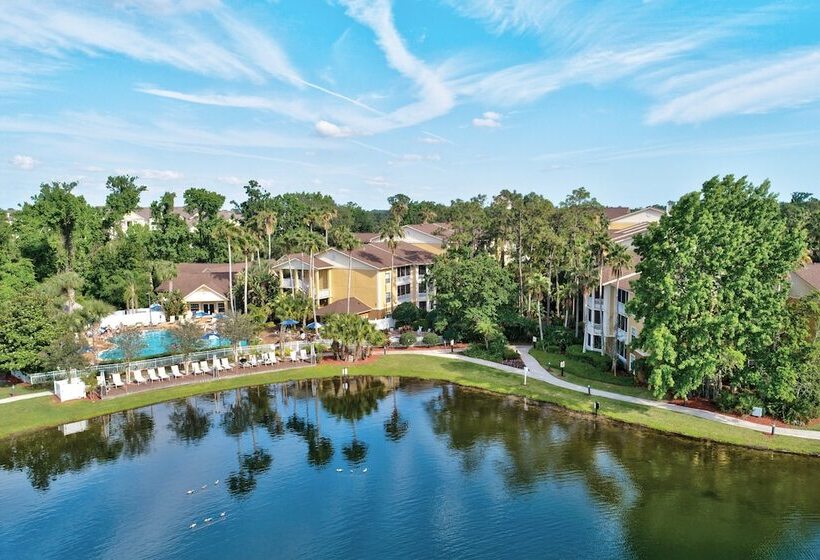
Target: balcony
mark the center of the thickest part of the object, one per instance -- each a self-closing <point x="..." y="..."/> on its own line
<point x="404" y="298"/>
<point x="287" y="283"/>
<point x="323" y="294"/>
<point x="621" y="309"/>
<point x="595" y="328"/>
<point x="621" y="335"/>
<point x="400" y="280"/>
<point x="595" y="303"/>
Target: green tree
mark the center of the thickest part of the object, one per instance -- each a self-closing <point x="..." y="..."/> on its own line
<point x="28" y="326"/>
<point x="713" y="286"/>
<point x="406" y="314"/>
<point x="391" y="233"/>
<point x="123" y="197"/>
<point x="468" y="289"/>
<point x="237" y="327"/>
<point x="187" y="339"/>
<point x="345" y="240"/>
<point x="131" y="344"/>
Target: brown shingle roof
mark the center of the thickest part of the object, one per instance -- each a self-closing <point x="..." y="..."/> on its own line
<point x="409" y="253"/>
<point x="811" y="274"/>
<point x="356" y="307"/>
<point x="191" y="276"/>
<point x="305" y="258"/>
<point x="613" y="212"/>
<point x="442" y="230"/>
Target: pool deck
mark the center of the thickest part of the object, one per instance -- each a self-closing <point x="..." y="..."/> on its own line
<point x="191" y="379"/>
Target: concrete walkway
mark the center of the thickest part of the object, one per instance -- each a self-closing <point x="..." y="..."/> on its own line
<point x="26" y="397"/>
<point x="537" y="371"/>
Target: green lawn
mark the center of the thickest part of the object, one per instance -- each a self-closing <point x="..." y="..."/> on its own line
<point x="19" y="389"/>
<point x="38" y="413"/>
<point x="585" y="374"/>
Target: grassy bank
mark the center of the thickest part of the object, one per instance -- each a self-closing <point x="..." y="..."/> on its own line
<point x="39" y="413"/>
<point x="584" y="374"/>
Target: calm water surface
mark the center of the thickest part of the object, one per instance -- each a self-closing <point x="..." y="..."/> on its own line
<point x="450" y="472"/>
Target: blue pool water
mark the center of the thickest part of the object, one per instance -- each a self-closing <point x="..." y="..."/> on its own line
<point x="161" y="342"/>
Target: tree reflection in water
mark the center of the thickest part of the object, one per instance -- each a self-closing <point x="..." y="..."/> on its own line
<point x="671" y="496"/>
<point x="188" y="423"/>
<point x="396" y="426"/>
<point x="249" y="409"/>
<point x="46" y="454"/>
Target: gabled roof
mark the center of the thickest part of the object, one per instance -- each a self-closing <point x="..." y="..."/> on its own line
<point x="810" y="274"/>
<point x="613" y="212"/>
<point x="357" y="307"/>
<point x="191" y="276"/>
<point x="304" y="258"/>
<point x="442" y="230"/>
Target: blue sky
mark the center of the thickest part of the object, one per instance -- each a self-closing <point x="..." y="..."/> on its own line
<point x="639" y="101"/>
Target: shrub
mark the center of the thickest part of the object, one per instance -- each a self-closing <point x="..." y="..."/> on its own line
<point x="406" y="313"/>
<point x="407" y="339"/>
<point x="430" y="339"/>
<point x="509" y="353"/>
<point x="576" y="352"/>
<point x="517" y="327"/>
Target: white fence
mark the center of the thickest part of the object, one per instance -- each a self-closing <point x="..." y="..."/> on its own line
<point x="121" y="367"/>
<point x="144" y="316"/>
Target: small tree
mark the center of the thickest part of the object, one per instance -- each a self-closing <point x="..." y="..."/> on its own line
<point x="237" y="327"/>
<point x="131" y="344"/>
<point x="406" y="314"/>
<point x="65" y="352"/>
<point x="173" y="304"/>
<point x="187" y="339"/>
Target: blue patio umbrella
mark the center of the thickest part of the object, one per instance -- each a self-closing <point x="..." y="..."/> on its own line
<point x="290" y="322"/>
<point x="315" y="325"/>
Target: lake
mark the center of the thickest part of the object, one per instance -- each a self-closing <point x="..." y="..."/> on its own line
<point x="393" y="468"/>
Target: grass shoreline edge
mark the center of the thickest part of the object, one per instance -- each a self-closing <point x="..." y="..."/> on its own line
<point x="30" y="415"/>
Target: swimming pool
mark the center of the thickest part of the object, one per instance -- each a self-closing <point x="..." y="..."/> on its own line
<point x="161" y="342"/>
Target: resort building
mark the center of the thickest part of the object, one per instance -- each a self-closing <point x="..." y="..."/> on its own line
<point x="142" y="217"/>
<point x="376" y="285"/>
<point x="607" y="326"/>
<point x="205" y="287"/>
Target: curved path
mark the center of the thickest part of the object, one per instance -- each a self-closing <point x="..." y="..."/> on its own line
<point x="537" y="371"/>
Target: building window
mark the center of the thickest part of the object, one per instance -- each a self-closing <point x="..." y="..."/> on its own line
<point x="597" y="317"/>
<point x="388" y="297"/>
<point x="589" y="340"/>
<point x="622" y="322"/>
<point x="589" y="315"/>
<point x="596" y="342"/>
<point x="598" y="292"/>
<point x="220" y="307"/>
<point x="620" y="347"/>
<point x="422" y="270"/>
<point x="623" y="296"/>
<point x="387" y="278"/>
<point x="403" y="271"/>
<point x="423" y="305"/>
<point x="403" y="290"/>
<point x="194" y="307"/>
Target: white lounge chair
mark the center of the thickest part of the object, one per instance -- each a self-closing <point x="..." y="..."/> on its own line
<point x="253" y="361"/>
<point x="203" y="365"/>
<point x="138" y="378"/>
<point x="266" y="358"/>
<point x="303" y="355"/>
<point x="117" y="380"/>
<point x="175" y="371"/>
<point x="293" y="356"/>
<point x="161" y="373"/>
<point x="152" y="374"/>
<point x="216" y="365"/>
<point x="195" y="369"/>
<point x="101" y="380"/>
<point x="226" y="365"/>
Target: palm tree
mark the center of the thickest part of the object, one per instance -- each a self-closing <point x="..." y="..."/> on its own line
<point x="619" y="259"/>
<point x="311" y="243"/>
<point x="324" y="218"/>
<point x="66" y="285"/>
<point x="131" y="292"/>
<point x="265" y="222"/>
<point x="427" y="215"/>
<point x="346" y="241"/>
<point x="391" y="233"/>
<point x="231" y="232"/>
<point x="161" y="271"/>
<point x="539" y="285"/>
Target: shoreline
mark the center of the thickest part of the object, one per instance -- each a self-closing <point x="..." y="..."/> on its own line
<point x="42" y="413"/>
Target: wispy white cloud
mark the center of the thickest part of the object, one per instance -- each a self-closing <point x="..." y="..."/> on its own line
<point x="159" y="174"/>
<point x="435" y="97"/>
<point x="489" y="119"/>
<point x="296" y="109"/>
<point x="788" y="80"/>
<point x="230" y="180"/>
<point x="23" y="162"/>
<point x="378" y="181"/>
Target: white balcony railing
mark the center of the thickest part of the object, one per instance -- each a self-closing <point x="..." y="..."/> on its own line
<point x="595" y="303"/>
<point x="288" y="283"/>
<point x="400" y="280"/>
<point x="595" y="328"/>
<point x="322" y="294"/>
<point x="404" y="298"/>
<point x="621" y="308"/>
